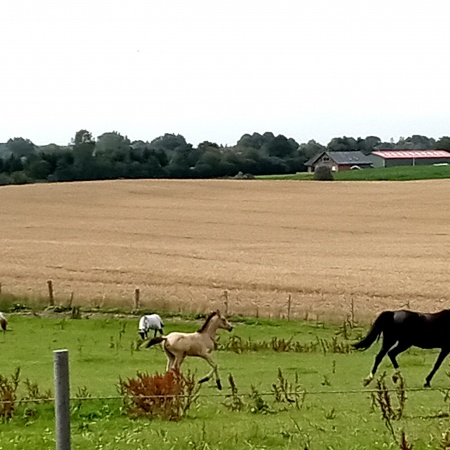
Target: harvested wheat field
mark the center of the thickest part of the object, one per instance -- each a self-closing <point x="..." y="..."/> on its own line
<point x="183" y="243"/>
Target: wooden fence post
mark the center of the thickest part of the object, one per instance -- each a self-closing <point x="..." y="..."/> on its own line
<point x="70" y="300"/>
<point x="62" y="399"/>
<point x="51" y="298"/>
<point x="0" y="287"/>
<point x="137" y="293"/>
<point x="289" y="308"/>
<point x="225" y="302"/>
<point x="352" y="313"/>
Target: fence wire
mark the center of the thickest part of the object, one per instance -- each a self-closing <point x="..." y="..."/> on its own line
<point x="220" y="395"/>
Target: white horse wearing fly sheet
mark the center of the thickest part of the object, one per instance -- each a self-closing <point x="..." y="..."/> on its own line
<point x="150" y="322"/>
<point x="3" y="321"/>
<point x="201" y="343"/>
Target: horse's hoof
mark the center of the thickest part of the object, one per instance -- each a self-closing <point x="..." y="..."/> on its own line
<point x="367" y="381"/>
<point x="219" y="385"/>
<point x="427" y="384"/>
<point x="203" y="380"/>
<point x="395" y="377"/>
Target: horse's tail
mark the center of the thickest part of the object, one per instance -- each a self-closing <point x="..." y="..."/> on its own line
<point x="375" y="332"/>
<point x="155" y="340"/>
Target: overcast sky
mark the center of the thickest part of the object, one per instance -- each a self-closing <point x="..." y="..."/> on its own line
<point x="216" y="69"/>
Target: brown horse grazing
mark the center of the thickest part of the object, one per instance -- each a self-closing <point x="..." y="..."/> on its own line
<point x="201" y="343"/>
<point x="404" y="329"/>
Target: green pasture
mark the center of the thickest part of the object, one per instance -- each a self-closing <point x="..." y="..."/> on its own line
<point x="400" y="173"/>
<point x="336" y="412"/>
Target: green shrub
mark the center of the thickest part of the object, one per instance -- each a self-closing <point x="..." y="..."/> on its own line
<point x="4" y="179"/>
<point x="323" y="173"/>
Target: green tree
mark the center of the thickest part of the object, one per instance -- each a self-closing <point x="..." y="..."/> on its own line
<point x="280" y="147"/>
<point x="310" y="149"/>
<point x="38" y="168"/>
<point x="13" y="164"/>
<point x="83" y="146"/>
<point x="170" y="143"/>
<point x="368" y="144"/>
<point x="342" y="144"/>
<point x="178" y="166"/>
<point x="443" y="143"/>
<point x="114" y="146"/>
<point x="20" y="147"/>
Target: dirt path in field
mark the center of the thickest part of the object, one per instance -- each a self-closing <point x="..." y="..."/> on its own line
<point x="334" y="248"/>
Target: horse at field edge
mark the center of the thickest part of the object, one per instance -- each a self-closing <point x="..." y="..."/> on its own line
<point x="201" y="343"/>
<point x="404" y="329"/>
<point x="150" y="322"/>
<point x="3" y="321"/>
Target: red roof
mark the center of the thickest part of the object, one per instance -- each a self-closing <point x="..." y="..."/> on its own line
<point x="404" y="154"/>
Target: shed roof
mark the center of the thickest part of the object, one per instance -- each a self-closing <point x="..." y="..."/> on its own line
<point x="354" y="158"/>
<point x="409" y="154"/>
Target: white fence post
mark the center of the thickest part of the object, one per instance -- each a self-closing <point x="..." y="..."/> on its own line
<point x="62" y="399"/>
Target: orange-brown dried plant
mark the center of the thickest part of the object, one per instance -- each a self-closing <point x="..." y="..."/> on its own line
<point x="168" y="396"/>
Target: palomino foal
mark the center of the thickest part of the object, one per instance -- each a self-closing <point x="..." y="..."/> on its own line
<point x="201" y="343"/>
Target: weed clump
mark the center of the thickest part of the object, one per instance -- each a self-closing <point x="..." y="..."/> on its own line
<point x="8" y="396"/>
<point x="168" y="396"/>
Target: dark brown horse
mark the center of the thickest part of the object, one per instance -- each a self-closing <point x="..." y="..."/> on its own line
<point x="404" y="329"/>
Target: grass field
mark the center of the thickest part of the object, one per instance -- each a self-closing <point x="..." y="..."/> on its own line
<point x="336" y="411"/>
<point x="398" y="173"/>
<point x="184" y="243"/>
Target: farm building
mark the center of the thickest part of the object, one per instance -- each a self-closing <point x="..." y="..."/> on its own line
<point x="390" y="158"/>
<point x="339" y="161"/>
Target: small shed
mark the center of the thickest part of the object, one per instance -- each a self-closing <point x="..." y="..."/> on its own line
<point x="391" y="158"/>
<point x="339" y="161"/>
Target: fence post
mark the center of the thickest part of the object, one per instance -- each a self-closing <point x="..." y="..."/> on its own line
<point x="137" y="302"/>
<point x="352" y="314"/>
<point x="62" y="399"/>
<point x="225" y="302"/>
<point x="289" y="308"/>
<point x="51" y="298"/>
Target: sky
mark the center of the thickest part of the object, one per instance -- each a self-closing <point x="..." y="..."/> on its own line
<point x="217" y="69"/>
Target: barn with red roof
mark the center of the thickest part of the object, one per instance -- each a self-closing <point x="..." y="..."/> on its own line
<point x="390" y="158"/>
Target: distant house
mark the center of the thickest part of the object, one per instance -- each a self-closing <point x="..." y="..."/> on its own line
<point x="339" y="161"/>
<point x="390" y="158"/>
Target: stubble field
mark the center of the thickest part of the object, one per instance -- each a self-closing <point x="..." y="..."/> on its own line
<point x="380" y="245"/>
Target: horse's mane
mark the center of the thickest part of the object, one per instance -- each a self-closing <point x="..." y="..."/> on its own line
<point x="203" y="328"/>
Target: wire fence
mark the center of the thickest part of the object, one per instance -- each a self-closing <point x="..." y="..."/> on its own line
<point x="222" y="395"/>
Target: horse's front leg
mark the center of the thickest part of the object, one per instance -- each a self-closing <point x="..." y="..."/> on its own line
<point x="437" y="364"/>
<point x="214" y="371"/>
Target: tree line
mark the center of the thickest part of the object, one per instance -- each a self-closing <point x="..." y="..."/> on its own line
<point x="112" y="156"/>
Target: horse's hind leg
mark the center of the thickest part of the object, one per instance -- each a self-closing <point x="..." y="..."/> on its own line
<point x="387" y="344"/>
<point x="214" y="371"/>
<point x="393" y="353"/>
<point x="170" y="359"/>
<point x="437" y="364"/>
